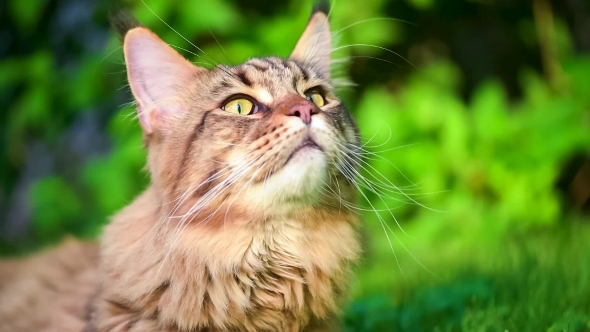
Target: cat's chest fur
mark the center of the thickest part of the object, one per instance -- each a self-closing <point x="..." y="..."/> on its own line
<point x="281" y="274"/>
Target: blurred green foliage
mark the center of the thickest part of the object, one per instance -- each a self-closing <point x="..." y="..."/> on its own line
<point x="491" y="165"/>
<point x="471" y="232"/>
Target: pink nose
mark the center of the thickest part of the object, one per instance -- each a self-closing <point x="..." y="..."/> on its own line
<point x="304" y="111"/>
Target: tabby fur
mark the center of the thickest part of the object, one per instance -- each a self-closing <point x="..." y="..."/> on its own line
<point x="240" y="229"/>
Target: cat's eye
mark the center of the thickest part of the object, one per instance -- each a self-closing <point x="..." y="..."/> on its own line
<point x="315" y="97"/>
<point x="240" y="106"/>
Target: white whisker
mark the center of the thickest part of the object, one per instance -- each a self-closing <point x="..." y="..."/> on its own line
<point x="374" y="46"/>
<point x="336" y="33"/>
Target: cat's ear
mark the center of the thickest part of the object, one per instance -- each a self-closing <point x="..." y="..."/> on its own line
<point x="315" y="45"/>
<point x="157" y="75"/>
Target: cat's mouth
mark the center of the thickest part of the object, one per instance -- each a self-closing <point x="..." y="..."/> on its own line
<point x="306" y="144"/>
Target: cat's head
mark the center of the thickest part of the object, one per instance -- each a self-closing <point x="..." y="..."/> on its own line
<point x="266" y="135"/>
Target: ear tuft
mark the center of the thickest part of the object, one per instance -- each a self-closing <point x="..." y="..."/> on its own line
<point x="315" y="45"/>
<point x="123" y="21"/>
<point x="320" y="6"/>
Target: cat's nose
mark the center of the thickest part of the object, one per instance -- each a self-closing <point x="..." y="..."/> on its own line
<point x="304" y="111"/>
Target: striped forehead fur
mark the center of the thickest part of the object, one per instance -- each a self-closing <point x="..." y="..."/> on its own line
<point x="265" y="72"/>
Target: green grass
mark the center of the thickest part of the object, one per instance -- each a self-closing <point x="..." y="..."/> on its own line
<point x="538" y="281"/>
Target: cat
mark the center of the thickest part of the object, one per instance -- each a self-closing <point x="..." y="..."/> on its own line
<point x="242" y="226"/>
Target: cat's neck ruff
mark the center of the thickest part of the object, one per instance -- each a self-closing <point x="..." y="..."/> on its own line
<point x="244" y="275"/>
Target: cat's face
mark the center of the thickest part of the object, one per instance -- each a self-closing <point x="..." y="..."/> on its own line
<point x="267" y="135"/>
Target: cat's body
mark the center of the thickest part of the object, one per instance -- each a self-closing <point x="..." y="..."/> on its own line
<point x="49" y="292"/>
<point x="278" y="275"/>
<point x="283" y="275"/>
<point x="243" y="226"/>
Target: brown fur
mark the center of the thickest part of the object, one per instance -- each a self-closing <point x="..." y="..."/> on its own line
<point x="49" y="292"/>
<point x="238" y="231"/>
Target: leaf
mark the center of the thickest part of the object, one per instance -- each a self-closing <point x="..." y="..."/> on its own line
<point x="489" y="107"/>
<point x="56" y="207"/>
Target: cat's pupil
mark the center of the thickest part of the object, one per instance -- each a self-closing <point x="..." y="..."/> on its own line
<point x="239" y="106"/>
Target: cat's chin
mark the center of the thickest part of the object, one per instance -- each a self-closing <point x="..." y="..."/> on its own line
<point x="299" y="181"/>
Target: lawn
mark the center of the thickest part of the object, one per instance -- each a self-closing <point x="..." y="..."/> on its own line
<point x="533" y="281"/>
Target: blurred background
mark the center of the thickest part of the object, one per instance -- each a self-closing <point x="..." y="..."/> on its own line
<point x="476" y="119"/>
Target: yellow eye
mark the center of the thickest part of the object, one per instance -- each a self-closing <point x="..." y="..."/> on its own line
<point x="315" y="97"/>
<point x="239" y="106"/>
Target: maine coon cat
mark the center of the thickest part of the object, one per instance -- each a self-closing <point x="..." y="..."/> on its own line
<point x="242" y="227"/>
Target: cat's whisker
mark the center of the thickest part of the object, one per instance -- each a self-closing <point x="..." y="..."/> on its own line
<point x="410" y="253"/>
<point x="328" y="191"/>
<point x="368" y="57"/>
<point x="388" y="183"/>
<point x="221" y="47"/>
<point x="200" y="204"/>
<point x="372" y="137"/>
<point x="220" y="185"/>
<point x="205" y="63"/>
<point x="382" y="191"/>
<point x="201" y="63"/>
<point x="216" y="191"/>
<point x="111" y="53"/>
<point x="359" y="158"/>
<point x="339" y="191"/>
<point x="338" y="32"/>
<point x="373" y="187"/>
<point x="211" y="178"/>
<point x="124" y="86"/>
<point x="361" y="153"/>
<point x="211" y="215"/>
<point x="184" y="49"/>
<point x="346" y="171"/>
<point x="356" y="174"/>
<point x="116" y="72"/>
<point x="373" y="46"/>
<point x="352" y="180"/>
<point x="342" y="83"/>
<point x="213" y="62"/>
<point x="386" y="227"/>
<point x="175" y="31"/>
<point x="182" y="199"/>
<point x="365" y="154"/>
